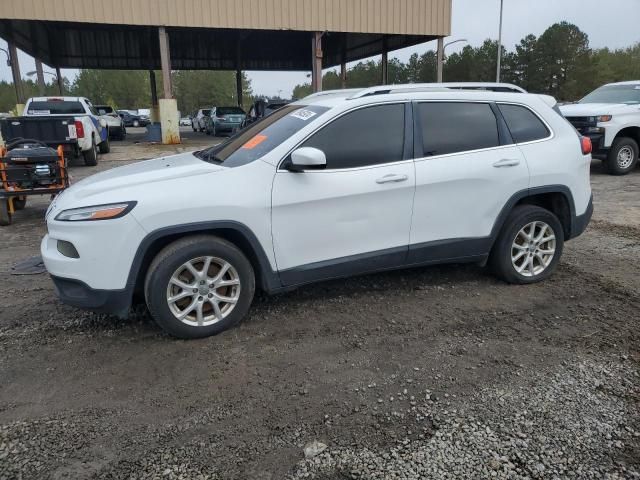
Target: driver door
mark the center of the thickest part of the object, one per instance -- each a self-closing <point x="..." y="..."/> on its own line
<point x="354" y="216"/>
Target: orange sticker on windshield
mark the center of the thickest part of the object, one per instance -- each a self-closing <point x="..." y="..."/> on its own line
<point x="254" y="142"/>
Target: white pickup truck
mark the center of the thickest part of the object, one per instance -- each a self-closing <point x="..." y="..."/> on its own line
<point x="88" y="134"/>
<point x="610" y="117"/>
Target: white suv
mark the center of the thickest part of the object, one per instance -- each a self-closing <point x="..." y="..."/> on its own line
<point x="337" y="184"/>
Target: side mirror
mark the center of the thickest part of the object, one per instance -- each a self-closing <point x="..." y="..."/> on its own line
<point x="307" y="158"/>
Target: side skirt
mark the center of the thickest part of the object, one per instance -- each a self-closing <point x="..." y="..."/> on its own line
<point x="472" y="250"/>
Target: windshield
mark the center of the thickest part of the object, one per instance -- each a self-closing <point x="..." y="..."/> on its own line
<point x="629" y="94"/>
<point x="206" y="113"/>
<point x="261" y="137"/>
<point x="229" y="111"/>
<point x="55" y="107"/>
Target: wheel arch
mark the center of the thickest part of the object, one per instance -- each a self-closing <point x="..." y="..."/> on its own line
<point x="632" y="132"/>
<point x="238" y="234"/>
<point x="555" y="198"/>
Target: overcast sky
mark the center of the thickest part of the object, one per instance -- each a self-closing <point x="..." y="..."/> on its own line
<point x="609" y="23"/>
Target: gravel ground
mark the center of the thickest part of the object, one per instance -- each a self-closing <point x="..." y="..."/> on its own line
<point x="439" y="372"/>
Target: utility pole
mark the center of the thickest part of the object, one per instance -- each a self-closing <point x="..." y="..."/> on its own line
<point x="499" y="44"/>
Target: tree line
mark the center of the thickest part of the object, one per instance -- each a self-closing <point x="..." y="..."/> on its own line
<point x="559" y="62"/>
<point x="131" y="89"/>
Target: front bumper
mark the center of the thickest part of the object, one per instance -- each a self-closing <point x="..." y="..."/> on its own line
<point x="79" y="294"/>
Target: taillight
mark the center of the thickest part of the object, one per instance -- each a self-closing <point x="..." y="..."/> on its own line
<point x="79" y="129"/>
<point x="585" y="143"/>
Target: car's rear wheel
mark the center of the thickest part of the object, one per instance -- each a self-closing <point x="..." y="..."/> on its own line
<point x="199" y="286"/>
<point x="5" y="214"/>
<point x="529" y="247"/>
<point x="136" y="123"/>
<point x="623" y="156"/>
<point x="105" y="145"/>
<point x="91" y="155"/>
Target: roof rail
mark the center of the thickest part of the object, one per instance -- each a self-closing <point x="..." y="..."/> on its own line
<point x="406" y="88"/>
<point x="324" y="93"/>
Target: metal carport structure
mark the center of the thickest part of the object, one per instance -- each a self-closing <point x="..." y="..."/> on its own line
<point x="286" y="35"/>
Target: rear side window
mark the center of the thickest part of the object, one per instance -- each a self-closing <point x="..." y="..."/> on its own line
<point x="451" y="127"/>
<point x="53" y="107"/>
<point x="524" y="125"/>
<point x="367" y="136"/>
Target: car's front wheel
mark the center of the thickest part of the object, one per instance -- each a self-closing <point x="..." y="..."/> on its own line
<point x="623" y="156"/>
<point x="529" y="247"/>
<point x="199" y="286"/>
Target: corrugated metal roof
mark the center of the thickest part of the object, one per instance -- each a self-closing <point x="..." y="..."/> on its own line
<point x="405" y="17"/>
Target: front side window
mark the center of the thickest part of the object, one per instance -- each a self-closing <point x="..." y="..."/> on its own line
<point x="523" y="124"/>
<point x="263" y="136"/>
<point x="368" y="136"/>
<point x="451" y="127"/>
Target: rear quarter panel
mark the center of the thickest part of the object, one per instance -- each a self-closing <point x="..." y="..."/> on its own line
<point x="559" y="159"/>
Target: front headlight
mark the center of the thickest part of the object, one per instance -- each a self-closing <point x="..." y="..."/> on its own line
<point x="96" y="212"/>
<point x="603" y="118"/>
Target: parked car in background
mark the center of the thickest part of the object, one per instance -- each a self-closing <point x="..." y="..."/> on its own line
<point x="116" y="126"/>
<point x="199" y="121"/>
<point x="133" y="120"/>
<point x="261" y="109"/>
<point x="224" y="120"/>
<point x="324" y="188"/>
<point x="185" y="121"/>
<point x="610" y="117"/>
<point x="89" y="133"/>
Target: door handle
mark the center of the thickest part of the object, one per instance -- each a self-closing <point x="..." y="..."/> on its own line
<point x="391" y="178"/>
<point x="507" y="162"/>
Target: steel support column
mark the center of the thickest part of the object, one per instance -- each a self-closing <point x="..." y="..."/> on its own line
<point x="15" y="71"/>
<point x="40" y="77"/>
<point x="165" y="60"/>
<point x="384" y="63"/>
<point x="316" y="74"/>
<point x="440" y="58"/>
<point x="60" y="81"/>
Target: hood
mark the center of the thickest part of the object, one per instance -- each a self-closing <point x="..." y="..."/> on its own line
<point x="158" y="170"/>
<point x="592" y="109"/>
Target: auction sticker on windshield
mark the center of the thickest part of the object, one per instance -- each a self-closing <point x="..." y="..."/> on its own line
<point x="303" y="114"/>
<point x="254" y="142"/>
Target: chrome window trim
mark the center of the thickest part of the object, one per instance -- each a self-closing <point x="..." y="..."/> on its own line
<point x="333" y="119"/>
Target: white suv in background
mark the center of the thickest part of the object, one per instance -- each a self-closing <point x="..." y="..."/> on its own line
<point x="337" y="184"/>
<point x="610" y="117"/>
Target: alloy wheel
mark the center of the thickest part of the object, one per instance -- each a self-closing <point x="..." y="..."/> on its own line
<point x="533" y="249"/>
<point x="625" y="157"/>
<point x="203" y="291"/>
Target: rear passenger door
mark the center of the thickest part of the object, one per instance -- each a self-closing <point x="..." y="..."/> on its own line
<point x="468" y="168"/>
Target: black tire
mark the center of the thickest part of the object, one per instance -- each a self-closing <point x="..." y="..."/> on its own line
<point x="176" y="254"/>
<point x="501" y="254"/>
<point x="19" y="203"/>
<point x="91" y="155"/>
<point x="136" y="123"/>
<point x="617" y="164"/>
<point x="105" y="146"/>
<point x="5" y="215"/>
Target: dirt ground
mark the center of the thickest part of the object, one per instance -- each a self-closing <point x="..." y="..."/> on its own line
<point x="400" y="368"/>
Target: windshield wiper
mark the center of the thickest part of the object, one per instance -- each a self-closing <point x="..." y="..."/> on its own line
<point x="208" y="156"/>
